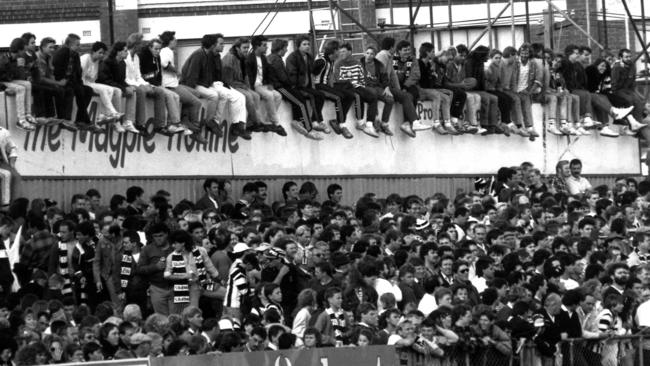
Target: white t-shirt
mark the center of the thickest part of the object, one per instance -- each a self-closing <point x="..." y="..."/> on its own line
<point x="643" y="314"/>
<point x="569" y="284"/>
<point x="169" y="79"/>
<point x="89" y="68"/>
<point x="383" y="286"/>
<point x="259" y="79"/>
<point x="577" y="185"/>
<point x="393" y="339"/>
<point x="427" y="304"/>
<point x="523" y="77"/>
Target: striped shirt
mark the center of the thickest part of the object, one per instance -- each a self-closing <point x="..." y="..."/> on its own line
<point x="350" y="70"/>
<point x="237" y="285"/>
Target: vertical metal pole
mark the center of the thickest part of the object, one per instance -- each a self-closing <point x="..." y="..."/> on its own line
<point x="588" y="16"/>
<point x="512" y="22"/>
<point x="605" y="23"/>
<point x="527" y="22"/>
<point x="451" y="33"/>
<point x="645" y="42"/>
<point x="641" y="338"/>
<point x="411" y="21"/>
<point x="111" y="27"/>
<point x="487" y="2"/>
<point x="390" y="6"/>
<point x="312" y="30"/>
<point x="431" y="23"/>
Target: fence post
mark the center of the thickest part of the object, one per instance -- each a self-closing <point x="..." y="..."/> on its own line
<point x="571" y="352"/>
<point x="641" y="350"/>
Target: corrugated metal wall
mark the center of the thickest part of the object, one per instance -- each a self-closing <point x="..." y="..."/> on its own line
<point x="62" y="190"/>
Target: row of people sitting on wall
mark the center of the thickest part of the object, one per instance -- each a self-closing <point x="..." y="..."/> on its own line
<point x="483" y="91"/>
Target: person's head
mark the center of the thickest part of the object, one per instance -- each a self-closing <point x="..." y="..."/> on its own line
<point x="72" y="41"/>
<point x="461" y="270"/>
<point x="585" y="55"/>
<point x="426" y="51"/>
<point x="48" y="46"/>
<point x="133" y="41"/>
<point x="443" y="297"/>
<point x="553" y="303"/>
<point x="576" y="167"/>
<point x="241" y="47"/>
<point x="257" y="339"/>
<point x="370" y="53"/>
<point x="98" y="51"/>
<point x="524" y="52"/>
<point x="279" y="47"/>
<point x="619" y="273"/>
<point x="345" y="51"/>
<point x="496" y="56"/>
<point x="613" y="302"/>
<point x="258" y="44"/>
<point x="562" y="169"/>
<point x="92" y="352"/>
<point x="208" y="42"/>
<point x="168" y="39"/>
<point x="303" y="44"/>
<point x="311" y="337"/>
<point x="388" y="44"/>
<point x="334" y="297"/>
<point x="572" y="53"/>
<point x="110" y="334"/>
<point x="626" y="56"/>
<point x="403" y="49"/>
<point x="364" y="338"/>
<point x="335" y="192"/>
<point x="155" y="45"/>
<point x="367" y="313"/>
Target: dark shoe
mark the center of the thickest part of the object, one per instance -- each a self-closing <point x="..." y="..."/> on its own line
<point x="346" y="133"/>
<point x="279" y="130"/>
<point x="238" y="130"/>
<point x="89" y="127"/>
<point x="257" y="127"/>
<point x="198" y="137"/>
<point x="489" y="130"/>
<point x="336" y="127"/>
<point x="502" y="130"/>
<point x="67" y="124"/>
<point x="215" y="127"/>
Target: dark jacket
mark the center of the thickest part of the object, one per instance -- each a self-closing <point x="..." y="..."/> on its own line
<point x="107" y="261"/>
<point x="112" y="72"/>
<point x="623" y="77"/>
<point x="377" y="79"/>
<point x="251" y="69"/>
<point x="431" y="76"/>
<point x="150" y="67"/>
<point x="597" y="82"/>
<point x="233" y="70"/>
<point x="198" y="69"/>
<point x="299" y="71"/>
<point x="278" y="74"/>
<point x="67" y="65"/>
<point x="8" y="67"/>
<point x="550" y="335"/>
<point x="148" y="265"/>
<point x="474" y="66"/>
<point x="574" y="75"/>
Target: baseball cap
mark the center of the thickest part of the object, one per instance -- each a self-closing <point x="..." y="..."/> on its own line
<point x="240" y="248"/>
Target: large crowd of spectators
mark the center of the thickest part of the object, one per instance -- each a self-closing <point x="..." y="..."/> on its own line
<point x="518" y="259"/>
<point x="483" y="90"/>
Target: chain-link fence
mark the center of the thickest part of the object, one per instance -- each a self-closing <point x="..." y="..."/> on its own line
<point x="609" y="351"/>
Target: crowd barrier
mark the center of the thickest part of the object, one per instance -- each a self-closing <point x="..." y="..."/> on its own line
<point x="366" y="356"/>
<point x="607" y="351"/>
<point x="52" y="151"/>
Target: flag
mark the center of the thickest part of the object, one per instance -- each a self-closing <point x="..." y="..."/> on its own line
<point x="14" y="257"/>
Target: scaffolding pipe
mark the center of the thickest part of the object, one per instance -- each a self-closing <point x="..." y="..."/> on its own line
<point x="605" y="24"/>
<point x="489" y="26"/>
<point x="431" y="22"/>
<point x="527" y="22"/>
<point x="487" y="2"/>
<point x="645" y="63"/>
<point x="579" y="28"/>
<point x="411" y="21"/>
<point x="588" y="17"/>
<point x="451" y="33"/>
<point x="363" y="28"/>
<point x="512" y="22"/>
<point x="636" y="30"/>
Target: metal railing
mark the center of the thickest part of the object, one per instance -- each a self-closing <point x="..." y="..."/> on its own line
<point x="633" y="350"/>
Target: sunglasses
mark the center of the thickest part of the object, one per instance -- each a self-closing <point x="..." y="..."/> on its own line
<point x="464" y="270"/>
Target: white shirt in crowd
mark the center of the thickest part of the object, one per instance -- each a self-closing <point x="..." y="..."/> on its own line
<point x="577" y="185"/>
<point x="260" y="71"/>
<point x="169" y="78"/>
<point x="89" y="69"/>
<point x="383" y="286"/>
<point x="427" y="304"/>
<point x="133" y="75"/>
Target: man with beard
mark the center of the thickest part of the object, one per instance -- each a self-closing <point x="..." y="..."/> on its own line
<point x="620" y="275"/>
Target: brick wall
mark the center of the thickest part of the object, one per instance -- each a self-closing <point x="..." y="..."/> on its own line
<point x="38" y="11"/>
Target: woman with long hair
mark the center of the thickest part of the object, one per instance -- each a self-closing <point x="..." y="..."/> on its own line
<point x="109" y="339"/>
<point x="302" y="314"/>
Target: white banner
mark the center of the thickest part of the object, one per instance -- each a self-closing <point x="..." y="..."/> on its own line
<point x="53" y="151"/>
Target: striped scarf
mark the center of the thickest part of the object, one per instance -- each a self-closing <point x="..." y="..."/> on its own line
<point x="126" y="271"/>
<point x="181" y="287"/>
<point x="200" y="267"/>
<point x="338" y="323"/>
<point x="64" y="269"/>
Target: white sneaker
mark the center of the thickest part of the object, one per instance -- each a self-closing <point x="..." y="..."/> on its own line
<point x="369" y="130"/>
<point x="581" y="131"/>
<point x="627" y="131"/>
<point x="175" y="129"/>
<point x="620" y="113"/>
<point x="128" y="125"/>
<point x="118" y="127"/>
<point x="634" y="124"/>
<point x="587" y="122"/>
<point x="552" y="128"/>
<point x="420" y="126"/>
<point x="608" y="132"/>
<point x="480" y="130"/>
